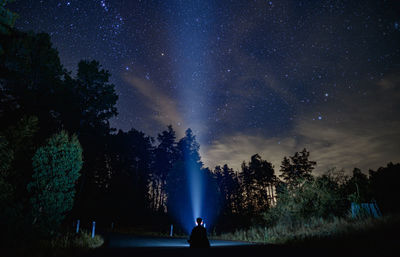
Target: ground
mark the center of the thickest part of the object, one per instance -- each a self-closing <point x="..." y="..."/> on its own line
<point x="126" y="245"/>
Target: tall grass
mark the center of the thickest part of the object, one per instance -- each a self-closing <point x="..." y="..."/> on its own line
<point x="68" y="244"/>
<point x="312" y="229"/>
<point x="82" y="240"/>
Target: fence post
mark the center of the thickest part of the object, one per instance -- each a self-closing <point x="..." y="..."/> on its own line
<point x="172" y="230"/>
<point x="93" y="228"/>
<point x="377" y="208"/>
<point x="265" y="234"/>
<point x="77" y="226"/>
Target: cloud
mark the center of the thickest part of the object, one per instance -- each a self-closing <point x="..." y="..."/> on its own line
<point x="361" y="132"/>
<point x="164" y="108"/>
<point x="390" y="82"/>
<point x="329" y="146"/>
<point x="234" y="149"/>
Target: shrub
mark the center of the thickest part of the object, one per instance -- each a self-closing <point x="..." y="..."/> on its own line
<point x="56" y="168"/>
<point x="316" y="198"/>
<point x="83" y="240"/>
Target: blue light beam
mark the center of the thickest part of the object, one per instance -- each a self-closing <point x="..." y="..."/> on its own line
<point x="191" y="29"/>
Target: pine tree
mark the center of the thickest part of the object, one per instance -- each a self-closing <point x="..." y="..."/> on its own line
<point x="228" y="189"/>
<point x="164" y="157"/>
<point x="263" y="173"/>
<point x="189" y="147"/>
<point x="186" y="170"/>
<point x="7" y="19"/>
<point x="297" y="168"/>
<point x="56" y="168"/>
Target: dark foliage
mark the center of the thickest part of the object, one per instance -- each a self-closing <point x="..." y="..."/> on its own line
<point x="165" y="155"/>
<point x="296" y="168"/>
<point x="385" y="187"/>
<point x="56" y="167"/>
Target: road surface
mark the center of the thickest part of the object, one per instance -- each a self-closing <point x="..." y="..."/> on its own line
<point x="123" y="241"/>
<point x="129" y="245"/>
<point x="122" y="245"/>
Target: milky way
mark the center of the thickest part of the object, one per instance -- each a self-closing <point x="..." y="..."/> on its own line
<point x="247" y="76"/>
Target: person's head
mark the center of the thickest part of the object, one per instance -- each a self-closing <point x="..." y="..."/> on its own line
<point x="199" y="221"/>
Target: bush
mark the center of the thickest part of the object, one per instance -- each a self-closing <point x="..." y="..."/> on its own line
<point x="82" y="240"/>
<point x="16" y="149"/>
<point x="315" y="198"/>
<point x="85" y="240"/>
<point x="56" y="168"/>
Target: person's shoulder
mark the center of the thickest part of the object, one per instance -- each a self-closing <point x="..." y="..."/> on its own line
<point x="199" y="228"/>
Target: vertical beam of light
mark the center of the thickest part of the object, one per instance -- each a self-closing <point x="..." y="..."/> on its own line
<point x="190" y="25"/>
<point x="196" y="189"/>
<point x="191" y="42"/>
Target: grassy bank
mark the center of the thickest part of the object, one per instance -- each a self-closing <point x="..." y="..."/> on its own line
<point x="83" y="240"/>
<point x="320" y="230"/>
<point x="69" y="244"/>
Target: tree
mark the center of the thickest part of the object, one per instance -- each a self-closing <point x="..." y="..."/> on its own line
<point x="297" y="168"/>
<point x="314" y="198"/>
<point x="385" y="187"/>
<point x="6" y="157"/>
<point x="7" y="19"/>
<point x="188" y="157"/>
<point x="56" y="167"/>
<point x="187" y="172"/>
<point x="229" y="189"/>
<point x="17" y="147"/>
<point x="91" y="100"/>
<point x="31" y="74"/>
<point x="6" y="189"/>
<point x="89" y="103"/>
<point x="130" y="157"/>
<point x="165" y="156"/>
<point x="258" y="182"/>
<point x="357" y="188"/>
<point x="247" y="181"/>
<point x="264" y="178"/>
<point x="38" y="98"/>
<point x="189" y="148"/>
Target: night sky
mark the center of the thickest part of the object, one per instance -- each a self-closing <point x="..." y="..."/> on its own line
<point x="267" y="77"/>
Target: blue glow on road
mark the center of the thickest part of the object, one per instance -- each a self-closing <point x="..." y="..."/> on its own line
<point x="122" y="241"/>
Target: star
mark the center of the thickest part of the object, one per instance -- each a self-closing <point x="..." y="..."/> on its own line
<point x="234" y="69"/>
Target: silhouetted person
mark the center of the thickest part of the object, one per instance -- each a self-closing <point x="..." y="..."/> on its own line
<point x="198" y="237"/>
